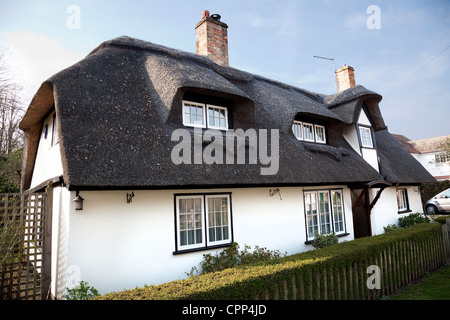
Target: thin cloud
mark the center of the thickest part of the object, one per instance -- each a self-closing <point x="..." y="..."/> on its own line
<point x="35" y="57"/>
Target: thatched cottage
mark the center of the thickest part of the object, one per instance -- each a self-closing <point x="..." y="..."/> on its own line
<point x="170" y="155"/>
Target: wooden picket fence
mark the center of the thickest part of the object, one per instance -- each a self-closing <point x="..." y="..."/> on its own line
<point x="21" y="245"/>
<point x="398" y="265"/>
<point x="363" y="269"/>
<point x="446" y="238"/>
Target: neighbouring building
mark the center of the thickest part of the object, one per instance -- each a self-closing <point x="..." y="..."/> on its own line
<point x="429" y="152"/>
<point x="170" y="155"/>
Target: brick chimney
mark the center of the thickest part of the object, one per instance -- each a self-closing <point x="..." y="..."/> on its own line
<point x="345" y="77"/>
<point x="211" y="38"/>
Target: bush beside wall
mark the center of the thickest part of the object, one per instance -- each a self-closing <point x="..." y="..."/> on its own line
<point x="334" y="272"/>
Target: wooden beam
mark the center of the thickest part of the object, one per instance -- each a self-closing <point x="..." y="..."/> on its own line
<point x="374" y="201"/>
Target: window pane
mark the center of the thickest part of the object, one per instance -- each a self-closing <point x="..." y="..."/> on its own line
<point x="217" y="117"/>
<point x="311" y="213"/>
<point x="218" y="218"/>
<point x="308" y="131"/>
<point x="190" y="221"/>
<point x="183" y="238"/>
<point x="297" y="130"/>
<point x="320" y="133"/>
<point x="193" y="114"/>
<point x="338" y="216"/>
<point x="402" y="200"/>
<point x="324" y="208"/>
<point x="366" y="137"/>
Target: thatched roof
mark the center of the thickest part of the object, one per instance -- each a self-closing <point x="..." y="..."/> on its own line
<point x="118" y="107"/>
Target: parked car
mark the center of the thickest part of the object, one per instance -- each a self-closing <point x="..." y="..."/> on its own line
<point x="439" y="203"/>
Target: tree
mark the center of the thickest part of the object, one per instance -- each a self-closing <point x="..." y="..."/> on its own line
<point x="11" y="138"/>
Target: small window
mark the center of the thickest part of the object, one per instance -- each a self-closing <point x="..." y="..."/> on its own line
<point x="55" y="135"/>
<point x="217" y="117"/>
<point x="45" y="131"/>
<point x="402" y="200"/>
<point x="297" y="130"/>
<point x="204" y="115"/>
<point x="202" y="221"/>
<point x="308" y="132"/>
<point x="366" y="137"/>
<point x="441" y="158"/>
<point x="190" y="222"/>
<point x="194" y="114"/>
<point x="320" y="133"/>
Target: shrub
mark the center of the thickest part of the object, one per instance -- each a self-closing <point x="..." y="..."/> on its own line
<point x="412" y="219"/>
<point x="324" y="240"/>
<point x="441" y="219"/>
<point x="81" y="292"/>
<point x="245" y="282"/>
<point x="391" y="227"/>
<point x="232" y="257"/>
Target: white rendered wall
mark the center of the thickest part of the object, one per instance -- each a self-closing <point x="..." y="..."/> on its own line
<point x="48" y="159"/>
<point x="117" y="246"/>
<point x="427" y="160"/>
<point x="62" y="207"/>
<point x="385" y="211"/>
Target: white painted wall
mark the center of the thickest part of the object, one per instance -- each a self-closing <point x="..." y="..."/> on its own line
<point x="48" y="159"/>
<point x="62" y="199"/>
<point x="115" y="246"/>
<point x="351" y="135"/>
<point x="385" y="211"/>
<point x="427" y="160"/>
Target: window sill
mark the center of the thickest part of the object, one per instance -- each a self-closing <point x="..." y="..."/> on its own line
<point x="338" y="235"/>
<point x="177" y="252"/>
<point x="404" y="211"/>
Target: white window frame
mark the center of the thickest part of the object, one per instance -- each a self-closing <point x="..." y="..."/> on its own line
<point x="196" y="104"/>
<point x="338" y="217"/>
<point x="205" y="222"/>
<point x="190" y="246"/>
<point x="208" y="222"/>
<point x="210" y="106"/>
<point x="310" y="216"/>
<point x="206" y="122"/>
<point x="402" y="200"/>
<point x="320" y="127"/>
<point x="365" y="133"/>
<point x="310" y="125"/>
<point x="324" y="214"/>
<point x="297" y="129"/>
<point x="320" y="214"/>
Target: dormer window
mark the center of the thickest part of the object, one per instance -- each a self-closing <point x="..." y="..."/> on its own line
<point x="205" y="115"/>
<point x="366" y="137"/>
<point x="310" y="132"/>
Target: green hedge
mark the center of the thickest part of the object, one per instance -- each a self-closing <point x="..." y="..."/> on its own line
<point x="334" y="272"/>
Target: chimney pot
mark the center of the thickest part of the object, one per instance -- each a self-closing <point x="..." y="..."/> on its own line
<point x="205" y="14"/>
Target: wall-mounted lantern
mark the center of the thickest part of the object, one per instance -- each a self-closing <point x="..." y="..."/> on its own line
<point x="78" y="202"/>
<point x="130" y="197"/>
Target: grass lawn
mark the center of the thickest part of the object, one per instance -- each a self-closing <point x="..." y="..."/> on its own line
<point x="435" y="286"/>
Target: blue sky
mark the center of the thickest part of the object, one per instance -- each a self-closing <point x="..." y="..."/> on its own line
<point x="406" y="60"/>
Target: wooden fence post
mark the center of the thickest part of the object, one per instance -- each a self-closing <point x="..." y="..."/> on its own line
<point x="47" y="245"/>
